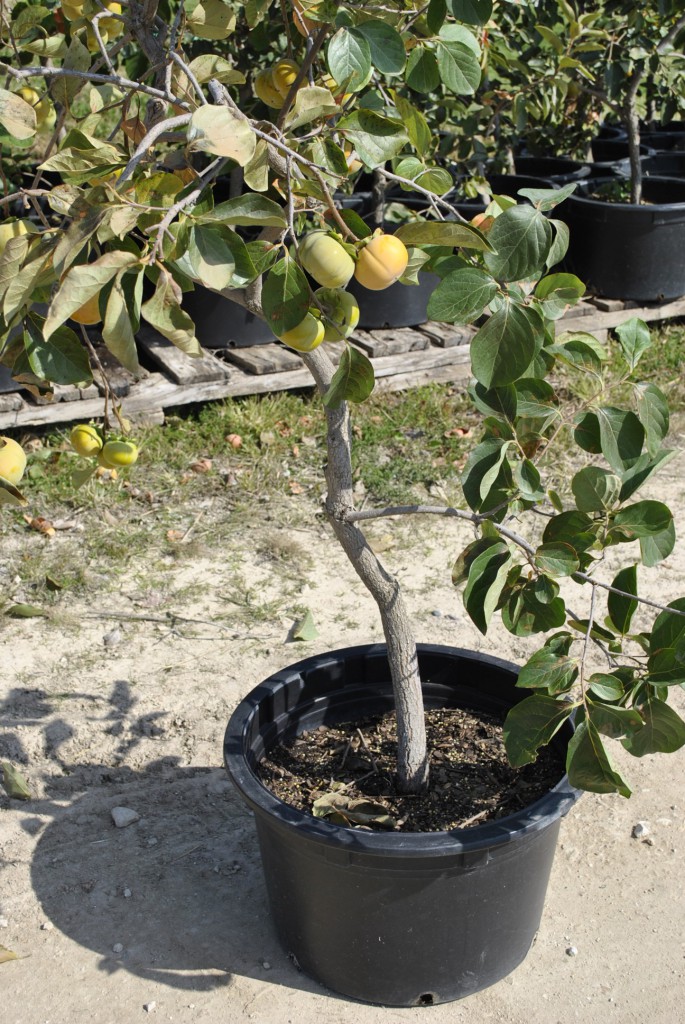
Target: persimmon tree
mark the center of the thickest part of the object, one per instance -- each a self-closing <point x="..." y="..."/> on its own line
<point x="151" y="147"/>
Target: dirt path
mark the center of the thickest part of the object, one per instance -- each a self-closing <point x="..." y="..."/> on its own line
<point x="167" y="916"/>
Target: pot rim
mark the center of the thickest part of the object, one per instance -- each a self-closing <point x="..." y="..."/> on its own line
<point x="577" y="197"/>
<point x="537" y="816"/>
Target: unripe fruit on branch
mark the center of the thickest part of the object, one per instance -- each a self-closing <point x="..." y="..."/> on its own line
<point x="89" y="312"/>
<point x="118" y="453"/>
<point x="266" y="91"/>
<point x="381" y="262"/>
<point x="306" y="336"/>
<point x="284" y="74"/>
<point x="85" y="439"/>
<point x="326" y="260"/>
<point x="12" y="460"/>
<point x="341" y="313"/>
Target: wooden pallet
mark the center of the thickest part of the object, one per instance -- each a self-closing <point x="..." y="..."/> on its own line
<point x="402" y="358"/>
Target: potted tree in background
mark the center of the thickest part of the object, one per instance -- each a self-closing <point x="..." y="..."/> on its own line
<point x="151" y="107"/>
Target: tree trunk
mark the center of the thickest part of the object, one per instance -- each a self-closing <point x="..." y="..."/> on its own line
<point x="412" y="757"/>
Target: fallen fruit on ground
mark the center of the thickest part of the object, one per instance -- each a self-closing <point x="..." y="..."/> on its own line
<point x="118" y="453"/>
<point x="89" y="312"/>
<point x="85" y="439"/>
<point x="12" y="460"/>
<point x="325" y="260"/>
<point x="381" y="262"/>
<point x="340" y="312"/>
<point x="306" y="336"/>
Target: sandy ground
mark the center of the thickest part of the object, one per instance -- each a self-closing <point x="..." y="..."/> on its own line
<point x="167" y="917"/>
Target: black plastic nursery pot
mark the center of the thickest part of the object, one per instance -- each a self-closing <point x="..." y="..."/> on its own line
<point x="398" y="919"/>
<point x="667" y="164"/>
<point x="625" y="250"/>
<point x="558" y="169"/>
<point x="397" y="306"/>
<point x="221" y="323"/>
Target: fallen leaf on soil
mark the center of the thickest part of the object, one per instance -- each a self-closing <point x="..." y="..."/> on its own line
<point x="174" y="536"/>
<point x="340" y="809"/>
<point x="14" y="783"/>
<point x="304" y="628"/>
<point x="201" y="465"/>
<point x="25" y="611"/>
<point x="7" y="954"/>
<point x="458" y="432"/>
<point x="295" y="487"/>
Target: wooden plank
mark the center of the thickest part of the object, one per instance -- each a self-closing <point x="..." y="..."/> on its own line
<point x="264" y="359"/>
<point x="613" y="318"/>
<point x="390" y="342"/>
<point x="11" y="402"/>
<point x="61" y="393"/>
<point x="448" y="335"/>
<point x="182" y="368"/>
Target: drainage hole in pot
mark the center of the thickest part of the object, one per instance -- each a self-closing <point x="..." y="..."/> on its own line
<point x="427" y="999"/>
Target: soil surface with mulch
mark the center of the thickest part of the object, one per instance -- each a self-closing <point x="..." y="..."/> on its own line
<point x="471" y="781"/>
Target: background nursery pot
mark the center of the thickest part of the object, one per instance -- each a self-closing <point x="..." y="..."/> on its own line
<point x="401" y="919"/>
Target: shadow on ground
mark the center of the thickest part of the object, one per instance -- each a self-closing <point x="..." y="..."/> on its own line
<point x="177" y="897"/>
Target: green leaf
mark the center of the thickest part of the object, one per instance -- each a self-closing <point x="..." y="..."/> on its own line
<point x="486" y="469"/>
<point x="578" y="349"/>
<point x="654" y="549"/>
<point x="163" y="311"/>
<point x="666" y="664"/>
<point x="436" y="14"/>
<point x="305" y="628"/>
<point x="486" y="580"/>
<point x="621" y="436"/>
<point x="552" y="37"/>
<point x="613" y="721"/>
<point x="444" y="232"/>
<point x="588" y="764"/>
<point x="285" y="296"/>
<point x="14" y="783"/>
<point x="62" y="359"/>
<point x="459" y="67"/>
<point x="353" y="380"/>
<point x="663" y="731"/>
<point x="641" y="470"/>
<point x="503" y="349"/>
<point x="635" y="339"/>
<point x="621" y="609"/>
<point x="16" y="115"/>
<point x="217" y="130"/>
<point x="531" y="724"/>
<point x="77" y="58"/>
<point x="385" y="45"/>
<point x="462" y="566"/>
<point x="211" y="19"/>
<point x="10" y="495"/>
<point x="595" y="489"/>
<point x="248" y="210"/>
<point x="643" y="519"/>
<point x="550" y="671"/>
<point x="521" y="238"/>
<point x="606" y="687"/>
<point x="461" y="296"/>
<point x="557" y="292"/>
<point x="211" y="65"/>
<point x="472" y="12"/>
<point x="423" y="73"/>
<point x="81" y="283"/>
<point x="311" y="103"/>
<point x="415" y="123"/>
<point x="500" y="401"/>
<point x="524" y="613"/>
<point x="527" y="479"/>
<point x="573" y="528"/>
<point x="557" y="559"/>
<point x="586" y="433"/>
<point x="559" y="246"/>
<point x="547" y="198"/>
<point x="435" y="179"/>
<point x="652" y="411"/>
<point x="376" y="138"/>
<point x="118" y="332"/>
<point x="349" y="58"/>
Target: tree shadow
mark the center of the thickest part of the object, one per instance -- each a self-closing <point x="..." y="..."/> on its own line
<point x="176" y="898"/>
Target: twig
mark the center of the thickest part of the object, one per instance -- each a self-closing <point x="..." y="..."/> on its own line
<point x="372" y="759"/>
<point x="38" y="71"/>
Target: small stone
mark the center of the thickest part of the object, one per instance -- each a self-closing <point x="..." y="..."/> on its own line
<point x="571" y="951"/>
<point x="47" y="926"/>
<point x="117" y="948"/>
<point x="149" y="1007"/>
<point x="436" y="613"/>
<point x="112" y="638"/>
<point x="152" y="841"/>
<point x="4" y="923"/>
<point x="266" y="965"/>
<point x="123" y="816"/>
<point x="640" y="830"/>
<point x="649" y="841"/>
<point x="127" y="893"/>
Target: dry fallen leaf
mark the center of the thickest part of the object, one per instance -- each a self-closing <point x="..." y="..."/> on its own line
<point x="201" y="465"/>
<point x="40" y="525"/>
<point x="7" y="954"/>
<point x="174" y="536"/>
<point x="295" y="487"/>
<point x="14" y="782"/>
<point x="458" y="432"/>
